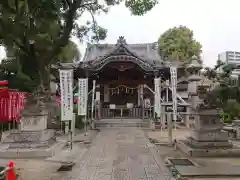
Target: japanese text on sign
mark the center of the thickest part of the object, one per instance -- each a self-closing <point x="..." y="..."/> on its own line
<point x="66" y="83"/>
<point x="83" y="96"/>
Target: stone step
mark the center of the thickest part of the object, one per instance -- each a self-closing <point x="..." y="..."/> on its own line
<point x="116" y="124"/>
<point x="122" y="123"/>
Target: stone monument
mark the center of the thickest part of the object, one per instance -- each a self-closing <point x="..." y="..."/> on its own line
<point x="208" y="132"/>
<point x="236" y="127"/>
<point x="207" y="138"/>
<point x="32" y="138"/>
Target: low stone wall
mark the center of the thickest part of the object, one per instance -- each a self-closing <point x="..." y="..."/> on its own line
<point x="32" y="152"/>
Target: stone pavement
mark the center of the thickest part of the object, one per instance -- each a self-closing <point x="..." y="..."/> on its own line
<point x="162" y="136"/>
<point x="119" y="154"/>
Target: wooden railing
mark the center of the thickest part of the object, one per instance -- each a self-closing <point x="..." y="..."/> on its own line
<point x="135" y="112"/>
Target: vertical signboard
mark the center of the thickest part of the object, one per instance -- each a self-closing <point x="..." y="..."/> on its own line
<point x="66" y="88"/>
<point x="83" y="96"/>
<point x="93" y="97"/>
<point x="157" y="96"/>
<point x="173" y="72"/>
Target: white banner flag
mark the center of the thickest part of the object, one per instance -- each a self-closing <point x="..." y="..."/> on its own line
<point x="157" y="97"/>
<point x="66" y="88"/>
<point x="83" y="96"/>
<point x="93" y="96"/>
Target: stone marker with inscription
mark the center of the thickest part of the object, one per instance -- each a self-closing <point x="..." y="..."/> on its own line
<point x="207" y="137"/>
<point x="34" y="122"/>
<point x="32" y="139"/>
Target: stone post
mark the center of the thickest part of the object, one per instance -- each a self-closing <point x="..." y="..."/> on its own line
<point x="236" y="125"/>
<point x="66" y="127"/>
<point x="169" y="125"/>
<point x="163" y="118"/>
<point x="187" y="119"/>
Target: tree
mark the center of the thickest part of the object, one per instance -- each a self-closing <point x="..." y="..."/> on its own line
<point x="69" y="53"/>
<point x="225" y="95"/>
<point x="11" y="68"/>
<point x="37" y="31"/>
<point x="178" y="44"/>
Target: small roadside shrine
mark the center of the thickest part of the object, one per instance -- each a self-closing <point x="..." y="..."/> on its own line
<point x="11" y="104"/>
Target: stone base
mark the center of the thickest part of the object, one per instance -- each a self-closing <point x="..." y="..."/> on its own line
<point x="31" y="152"/>
<point x="217" y="135"/>
<point x="29" y="139"/>
<point x="219" y="151"/>
<point x="25" y="144"/>
<point x="208" y="144"/>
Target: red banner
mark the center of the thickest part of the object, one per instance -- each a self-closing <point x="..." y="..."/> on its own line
<point x="11" y="104"/>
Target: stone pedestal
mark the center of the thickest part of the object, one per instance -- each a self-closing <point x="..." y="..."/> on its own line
<point x="207" y="138"/>
<point x="33" y="139"/>
<point x="34" y="121"/>
<point x="169" y="125"/>
<point x="236" y="125"/>
<point x="208" y="131"/>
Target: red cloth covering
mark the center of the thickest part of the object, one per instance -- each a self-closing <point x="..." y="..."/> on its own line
<point x="10" y="174"/>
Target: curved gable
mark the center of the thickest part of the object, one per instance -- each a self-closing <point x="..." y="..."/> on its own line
<point x="98" y="56"/>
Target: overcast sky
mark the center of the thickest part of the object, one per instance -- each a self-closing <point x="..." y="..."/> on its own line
<point x="216" y="24"/>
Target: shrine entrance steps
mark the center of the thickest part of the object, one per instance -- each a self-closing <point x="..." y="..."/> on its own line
<point x="122" y="123"/>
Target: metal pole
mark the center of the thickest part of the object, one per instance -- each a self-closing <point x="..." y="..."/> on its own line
<point x="95" y="111"/>
<point x="159" y="100"/>
<point x="121" y="114"/>
<point x="93" y="97"/>
<point x="167" y="90"/>
<point x="155" y="97"/>
<point x="72" y="129"/>
<point x="85" y="125"/>
<point x="71" y="139"/>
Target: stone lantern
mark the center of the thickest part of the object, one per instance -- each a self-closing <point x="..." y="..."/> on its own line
<point x="193" y="79"/>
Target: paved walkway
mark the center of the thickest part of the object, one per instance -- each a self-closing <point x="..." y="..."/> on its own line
<point x="119" y="154"/>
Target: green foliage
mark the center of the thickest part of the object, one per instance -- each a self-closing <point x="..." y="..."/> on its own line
<point x="69" y="53"/>
<point x="232" y="108"/>
<point x="37" y="32"/>
<point x="140" y="7"/>
<point x="178" y="44"/>
<point x="225" y="117"/>
<point x="224" y="95"/>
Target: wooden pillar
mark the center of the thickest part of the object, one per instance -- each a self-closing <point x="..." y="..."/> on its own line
<point x="139" y="95"/>
<point x="142" y="101"/>
<point x="106" y="93"/>
<point x="98" y="101"/>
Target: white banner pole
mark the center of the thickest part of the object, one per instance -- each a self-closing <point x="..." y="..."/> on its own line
<point x="173" y="72"/>
<point x="66" y="88"/>
<point x="93" y="100"/>
<point x="83" y="99"/>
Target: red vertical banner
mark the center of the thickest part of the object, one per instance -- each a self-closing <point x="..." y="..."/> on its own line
<point x="11" y="104"/>
<point x="3" y="104"/>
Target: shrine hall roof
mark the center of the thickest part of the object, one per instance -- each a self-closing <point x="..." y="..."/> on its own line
<point x="145" y="51"/>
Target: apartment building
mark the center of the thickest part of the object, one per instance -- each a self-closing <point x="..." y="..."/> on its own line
<point x="230" y="57"/>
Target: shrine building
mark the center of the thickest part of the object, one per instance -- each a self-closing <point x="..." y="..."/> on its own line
<point x="124" y="75"/>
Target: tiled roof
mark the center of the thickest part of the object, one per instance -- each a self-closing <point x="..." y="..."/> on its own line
<point x="145" y="51"/>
